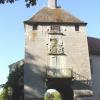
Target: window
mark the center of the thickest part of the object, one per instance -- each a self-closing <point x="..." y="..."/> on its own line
<point x="53" y="61"/>
<point x="91" y="66"/>
<point x="35" y="27"/>
<point x="55" y="28"/>
<point x="76" y="27"/>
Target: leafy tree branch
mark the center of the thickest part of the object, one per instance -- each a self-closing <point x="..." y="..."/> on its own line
<point x="28" y="2"/>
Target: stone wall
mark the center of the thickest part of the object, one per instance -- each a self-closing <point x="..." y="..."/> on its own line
<point x="37" y="58"/>
<point x="35" y="62"/>
<point x="76" y="50"/>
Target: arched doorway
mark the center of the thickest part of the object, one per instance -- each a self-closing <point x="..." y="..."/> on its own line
<point x="62" y="85"/>
<point x="52" y="94"/>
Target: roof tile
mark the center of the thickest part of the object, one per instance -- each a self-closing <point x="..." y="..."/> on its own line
<point x="57" y="15"/>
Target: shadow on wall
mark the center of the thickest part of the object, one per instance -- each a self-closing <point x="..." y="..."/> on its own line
<point x="30" y="56"/>
<point x="35" y="85"/>
<point x="34" y="81"/>
<point x="82" y="84"/>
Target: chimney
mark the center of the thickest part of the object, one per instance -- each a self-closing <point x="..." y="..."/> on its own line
<point x="52" y="4"/>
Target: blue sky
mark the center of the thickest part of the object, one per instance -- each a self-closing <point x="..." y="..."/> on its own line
<point x="12" y="28"/>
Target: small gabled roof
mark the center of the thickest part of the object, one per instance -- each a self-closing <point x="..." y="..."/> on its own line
<point x="94" y="45"/>
<point x="58" y="15"/>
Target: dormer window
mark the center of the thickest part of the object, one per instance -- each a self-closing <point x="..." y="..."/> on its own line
<point x="76" y="27"/>
<point x="35" y="27"/>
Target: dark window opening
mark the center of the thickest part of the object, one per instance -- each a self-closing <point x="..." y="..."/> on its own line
<point x="55" y="28"/>
<point x="76" y="27"/>
<point x="91" y="66"/>
<point x="35" y="27"/>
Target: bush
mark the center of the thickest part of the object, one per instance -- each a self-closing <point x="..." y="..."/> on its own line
<point x="53" y="96"/>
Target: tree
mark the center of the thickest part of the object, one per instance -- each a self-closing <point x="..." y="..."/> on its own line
<point x="53" y="96"/>
<point x="15" y="81"/>
<point x="14" y="87"/>
<point x="3" y="94"/>
<point x="28" y="2"/>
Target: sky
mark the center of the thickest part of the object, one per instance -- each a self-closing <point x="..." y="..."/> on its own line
<point x="12" y="34"/>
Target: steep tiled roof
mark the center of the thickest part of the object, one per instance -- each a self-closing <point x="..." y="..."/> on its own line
<point x="94" y="45"/>
<point x="58" y="15"/>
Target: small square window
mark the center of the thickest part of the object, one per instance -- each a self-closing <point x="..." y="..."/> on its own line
<point x="55" y="28"/>
<point x="34" y="27"/>
<point x="76" y="27"/>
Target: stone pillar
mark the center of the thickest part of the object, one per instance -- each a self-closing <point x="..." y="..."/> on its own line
<point x="52" y="4"/>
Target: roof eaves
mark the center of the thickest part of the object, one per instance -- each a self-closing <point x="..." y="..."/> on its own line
<point x="70" y="23"/>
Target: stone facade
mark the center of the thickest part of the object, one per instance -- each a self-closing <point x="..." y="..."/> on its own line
<point x="37" y="58"/>
<point x="56" y="54"/>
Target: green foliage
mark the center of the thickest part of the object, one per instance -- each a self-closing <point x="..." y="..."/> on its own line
<point x="28" y="2"/>
<point x="53" y="96"/>
<point x="7" y="1"/>
<point x="16" y="77"/>
<point x="15" y="81"/>
<point x="15" y="84"/>
<point x="3" y="94"/>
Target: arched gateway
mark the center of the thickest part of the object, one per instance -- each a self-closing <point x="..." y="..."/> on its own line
<point x="63" y="86"/>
